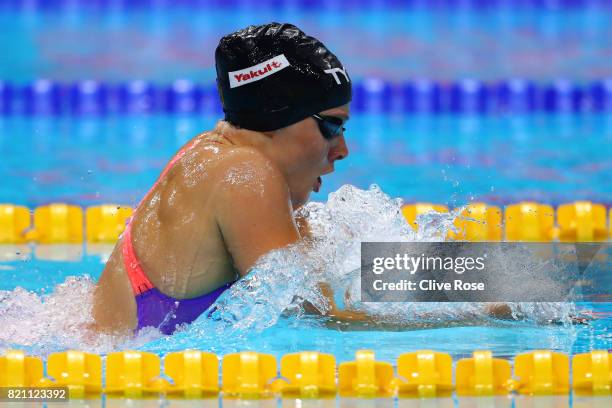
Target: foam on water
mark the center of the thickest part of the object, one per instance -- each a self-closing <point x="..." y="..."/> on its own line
<point x="41" y="324"/>
<point x="280" y="281"/>
<point x="274" y="289"/>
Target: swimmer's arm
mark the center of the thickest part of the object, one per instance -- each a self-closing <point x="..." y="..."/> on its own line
<point x="502" y="311"/>
<point x="336" y="313"/>
<point x="342" y="319"/>
<point x="253" y="209"/>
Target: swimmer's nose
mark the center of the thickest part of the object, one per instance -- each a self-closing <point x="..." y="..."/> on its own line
<point x="338" y="152"/>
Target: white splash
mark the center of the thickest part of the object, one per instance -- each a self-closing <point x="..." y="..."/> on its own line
<point x="276" y="286"/>
<point x="282" y="280"/>
<point x="42" y="324"/>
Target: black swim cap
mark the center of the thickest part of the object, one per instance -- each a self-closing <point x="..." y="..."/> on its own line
<point x="273" y="75"/>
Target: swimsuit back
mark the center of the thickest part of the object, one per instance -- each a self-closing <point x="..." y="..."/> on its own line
<point x="155" y="308"/>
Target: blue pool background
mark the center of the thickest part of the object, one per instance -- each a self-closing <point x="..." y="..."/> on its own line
<point x="435" y="39"/>
<point x="499" y="158"/>
<point x="446" y="159"/>
<point x="554" y="155"/>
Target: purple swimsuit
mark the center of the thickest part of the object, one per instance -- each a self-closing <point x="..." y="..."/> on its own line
<point x="165" y="313"/>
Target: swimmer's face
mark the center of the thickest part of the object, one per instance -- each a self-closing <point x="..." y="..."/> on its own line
<point x="306" y="156"/>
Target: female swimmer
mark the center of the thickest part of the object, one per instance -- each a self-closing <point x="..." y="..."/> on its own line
<point x="228" y="196"/>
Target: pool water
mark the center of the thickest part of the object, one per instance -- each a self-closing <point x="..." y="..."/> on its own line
<point x="433" y="42"/>
<point x="50" y="311"/>
<point x="291" y="335"/>
<point x="446" y="159"/>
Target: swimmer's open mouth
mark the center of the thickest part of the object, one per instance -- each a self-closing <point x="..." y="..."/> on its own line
<point x="317" y="185"/>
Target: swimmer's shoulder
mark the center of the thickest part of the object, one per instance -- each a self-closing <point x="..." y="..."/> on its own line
<point x="234" y="170"/>
<point x="244" y="165"/>
<point x="224" y="153"/>
<point x="243" y="175"/>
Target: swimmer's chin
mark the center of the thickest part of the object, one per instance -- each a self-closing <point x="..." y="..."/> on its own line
<point x="317" y="184"/>
<point x="300" y="199"/>
<point x="299" y="203"/>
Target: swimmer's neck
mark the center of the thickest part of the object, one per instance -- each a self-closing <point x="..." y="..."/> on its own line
<point x="242" y="137"/>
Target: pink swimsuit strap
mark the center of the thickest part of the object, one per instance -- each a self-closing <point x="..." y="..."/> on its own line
<point x="138" y="279"/>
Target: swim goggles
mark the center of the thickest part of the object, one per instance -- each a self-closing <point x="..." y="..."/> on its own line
<point x="330" y="126"/>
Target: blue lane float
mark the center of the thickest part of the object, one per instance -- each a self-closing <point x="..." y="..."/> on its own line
<point x="43" y="97"/>
<point x="211" y="102"/>
<point x="88" y="98"/>
<point x="6" y="98"/>
<point x="371" y="95"/>
<point x="469" y="96"/>
<point x="422" y="96"/>
<point x="601" y="95"/>
<point x="183" y="96"/>
<point x="563" y="96"/>
<point x="516" y="95"/>
<point x="138" y="97"/>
